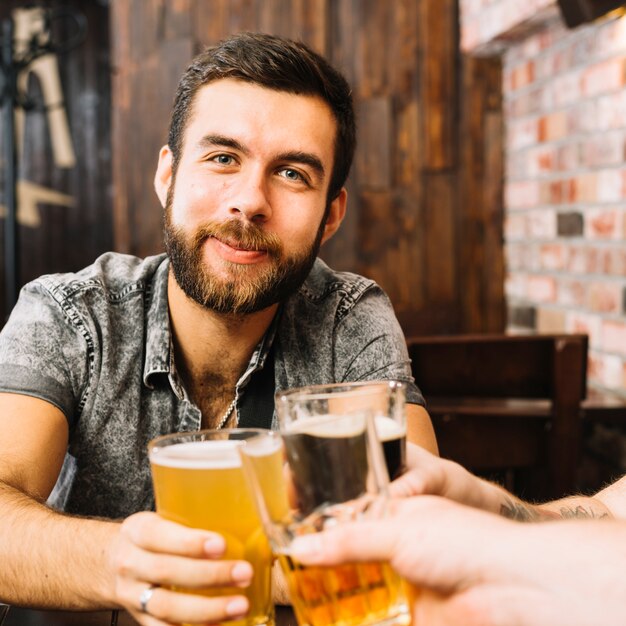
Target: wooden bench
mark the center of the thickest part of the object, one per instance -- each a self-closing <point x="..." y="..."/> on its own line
<point x="507" y="405"/>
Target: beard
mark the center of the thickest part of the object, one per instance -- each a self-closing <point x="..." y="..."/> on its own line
<point x="245" y="288"/>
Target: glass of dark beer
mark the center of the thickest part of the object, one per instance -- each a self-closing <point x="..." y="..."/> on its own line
<point x="385" y="399"/>
<point x="334" y="471"/>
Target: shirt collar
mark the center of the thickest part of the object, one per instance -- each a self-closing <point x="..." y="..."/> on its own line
<point x="158" y="340"/>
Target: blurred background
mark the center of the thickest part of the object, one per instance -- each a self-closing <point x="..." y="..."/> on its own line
<point x="488" y="193"/>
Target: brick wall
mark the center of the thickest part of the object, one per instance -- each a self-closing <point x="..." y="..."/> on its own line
<point x="565" y="189"/>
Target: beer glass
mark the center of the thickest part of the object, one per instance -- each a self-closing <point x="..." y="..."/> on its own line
<point x="386" y="399"/>
<point x="198" y="481"/>
<point x="334" y="472"/>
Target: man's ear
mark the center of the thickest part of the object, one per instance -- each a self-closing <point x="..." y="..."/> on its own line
<point x="336" y="214"/>
<point x="163" y="176"/>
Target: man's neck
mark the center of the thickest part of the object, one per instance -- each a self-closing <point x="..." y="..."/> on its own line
<point x="212" y="348"/>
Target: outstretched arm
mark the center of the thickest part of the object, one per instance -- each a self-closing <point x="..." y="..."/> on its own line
<point x="477" y="569"/>
<point x="431" y="475"/>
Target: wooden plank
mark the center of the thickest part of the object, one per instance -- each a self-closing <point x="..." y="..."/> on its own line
<point x="372" y="48"/>
<point x="440" y="202"/>
<point x="480" y="200"/>
<point x="390" y="250"/>
<point x="373" y="159"/>
<point x="439" y="68"/>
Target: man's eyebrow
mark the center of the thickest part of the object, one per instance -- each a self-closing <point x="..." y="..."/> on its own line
<point x="212" y="141"/>
<point x="306" y="158"/>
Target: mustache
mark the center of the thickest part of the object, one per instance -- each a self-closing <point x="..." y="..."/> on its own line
<point x="234" y="232"/>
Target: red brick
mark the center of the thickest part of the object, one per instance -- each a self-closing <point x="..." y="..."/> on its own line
<point x="582" y="260"/>
<point x="552" y="256"/>
<point x="613" y="261"/>
<point x="611" y="111"/>
<point x="571" y="293"/>
<point x="611" y="371"/>
<point x="585" y="188"/>
<point x="584" y="323"/>
<point x="553" y="126"/>
<point x="521" y="195"/>
<point x="604" y="149"/>
<point x="610" y="185"/>
<point x="604" y="297"/>
<point x="541" y="288"/>
<point x="521" y="134"/>
<point x="594" y="368"/>
<point x="566" y="88"/>
<point x="614" y="336"/>
<point x="541" y="224"/>
<point x="603" y="77"/>
<point x="567" y="157"/>
<point x="603" y="223"/>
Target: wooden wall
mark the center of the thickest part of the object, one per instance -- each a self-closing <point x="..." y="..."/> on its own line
<point x="70" y="223"/>
<point x="424" y="215"/>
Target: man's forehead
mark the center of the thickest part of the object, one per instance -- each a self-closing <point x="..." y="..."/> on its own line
<point x="229" y="103"/>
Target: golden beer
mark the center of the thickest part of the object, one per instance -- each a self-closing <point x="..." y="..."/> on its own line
<point x="200" y="483"/>
<point x="345" y="595"/>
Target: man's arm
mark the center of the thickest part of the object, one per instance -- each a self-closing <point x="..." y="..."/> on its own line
<point x="35" y="540"/>
<point x="477" y="569"/>
<point x="54" y="560"/>
<point x="431" y="475"/>
<point x="419" y="428"/>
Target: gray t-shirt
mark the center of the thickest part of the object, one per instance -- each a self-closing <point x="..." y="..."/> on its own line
<point x="97" y="345"/>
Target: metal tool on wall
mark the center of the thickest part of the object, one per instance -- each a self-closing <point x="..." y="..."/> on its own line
<point x="21" y="47"/>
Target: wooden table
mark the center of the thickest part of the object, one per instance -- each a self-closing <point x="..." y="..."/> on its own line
<point x="14" y="616"/>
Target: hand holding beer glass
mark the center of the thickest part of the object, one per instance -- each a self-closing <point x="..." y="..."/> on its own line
<point x="335" y="472"/>
<point x="198" y="482"/>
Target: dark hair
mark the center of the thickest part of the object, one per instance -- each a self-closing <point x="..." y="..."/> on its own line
<point x="279" y="64"/>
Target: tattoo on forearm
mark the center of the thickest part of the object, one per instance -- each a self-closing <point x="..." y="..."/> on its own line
<point x="521" y="512"/>
<point x="518" y="511"/>
<point x="581" y="513"/>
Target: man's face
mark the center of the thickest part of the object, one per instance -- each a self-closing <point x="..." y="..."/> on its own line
<point x="245" y="208"/>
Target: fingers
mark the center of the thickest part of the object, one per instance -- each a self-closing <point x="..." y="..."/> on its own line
<point x="152" y="551"/>
<point x="353" y="542"/>
<point x="171" y="607"/>
<point x="153" y="533"/>
<point x="197" y="573"/>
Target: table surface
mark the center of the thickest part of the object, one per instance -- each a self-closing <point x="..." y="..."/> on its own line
<point x="14" y="616"/>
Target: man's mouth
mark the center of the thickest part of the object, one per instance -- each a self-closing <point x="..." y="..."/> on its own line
<point x="236" y="252"/>
<point x="237" y="245"/>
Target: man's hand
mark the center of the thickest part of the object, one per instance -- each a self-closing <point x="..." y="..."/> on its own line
<point x="151" y="551"/>
<point x="430" y="475"/>
<point x="469" y="567"/>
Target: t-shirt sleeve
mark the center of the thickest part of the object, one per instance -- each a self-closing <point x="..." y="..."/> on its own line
<point x="370" y="345"/>
<point x="41" y="352"/>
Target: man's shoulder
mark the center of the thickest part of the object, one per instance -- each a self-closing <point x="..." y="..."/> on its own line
<point x="323" y="281"/>
<point x="112" y="273"/>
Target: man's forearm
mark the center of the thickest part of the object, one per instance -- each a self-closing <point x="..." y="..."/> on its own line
<point x="50" y="559"/>
<point x="576" y="507"/>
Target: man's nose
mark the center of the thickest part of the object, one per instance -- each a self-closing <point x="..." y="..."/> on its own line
<point x="251" y="198"/>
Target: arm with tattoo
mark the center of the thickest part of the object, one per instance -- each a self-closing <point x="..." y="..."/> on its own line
<point x="577" y="507"/>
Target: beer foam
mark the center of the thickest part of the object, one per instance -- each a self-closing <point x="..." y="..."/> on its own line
<point x="387" y="428"/>
<point x="263" y="446"/>
<point x="220" y="454"/>
<point x="329" y="426"/>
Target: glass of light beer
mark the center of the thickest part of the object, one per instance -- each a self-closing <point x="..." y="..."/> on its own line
<point x="199" y="482"/>
<point x="334" y="472"/>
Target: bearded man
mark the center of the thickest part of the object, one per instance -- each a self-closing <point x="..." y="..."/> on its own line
<point x="96" y="364"/>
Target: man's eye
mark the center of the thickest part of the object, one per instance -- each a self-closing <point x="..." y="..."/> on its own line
<point x="223" y="159"/>
<point x="291" y="174"/>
